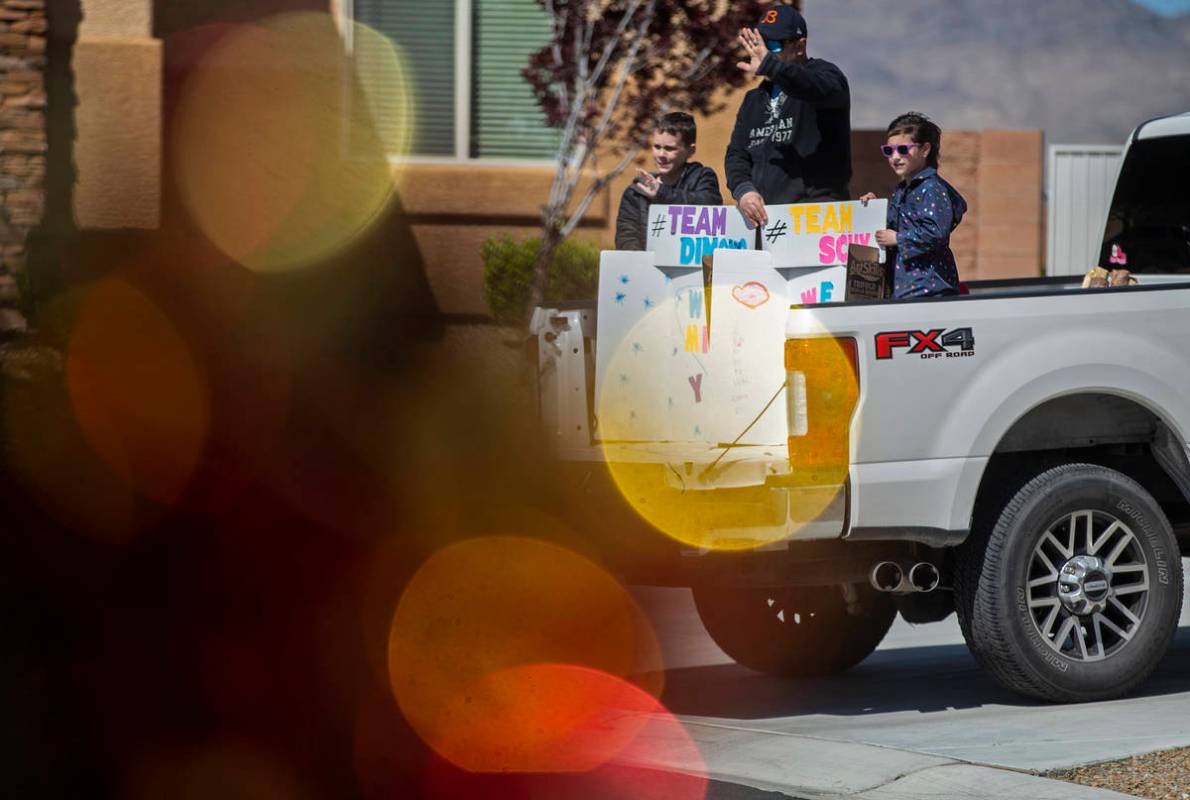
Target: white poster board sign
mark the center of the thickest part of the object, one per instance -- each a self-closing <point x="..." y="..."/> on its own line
<point x="679" y="361"/>
<point x="743" y="367"/>
<point x="807" y="286"/>
<point x="639" y="328"/>
<point x="682" y="235"/>
<point x="817" y="234"/>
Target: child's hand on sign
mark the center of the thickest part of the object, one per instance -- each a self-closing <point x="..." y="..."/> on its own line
<point x="886" y="238"/>
<point x="866" y="197"/>
<point x="646" y="184"/>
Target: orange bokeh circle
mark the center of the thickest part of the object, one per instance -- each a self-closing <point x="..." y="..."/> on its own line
<point x="589" y="735"/>
<point x="469" y="640"/>
<point x="138" y="395"/>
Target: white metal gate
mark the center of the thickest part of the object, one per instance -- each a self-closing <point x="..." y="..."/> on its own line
<point x="1079" y="183"/>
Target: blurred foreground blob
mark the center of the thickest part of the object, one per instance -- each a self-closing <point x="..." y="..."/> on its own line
<point x="281" y="152"/>
<point x="513" y="655"/>
<point x="138" y="394"/>
<point x="230" y="770"/>
<point x="542" y="718"/>
<point x="127" y="421"/>
<point x="46" y="452"/>
<point x="756" y="453"/>
<point x="660" y="762"/>
<point x="597" y="736"/>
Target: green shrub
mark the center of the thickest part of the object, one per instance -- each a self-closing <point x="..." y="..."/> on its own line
<point x="508" y="275"/>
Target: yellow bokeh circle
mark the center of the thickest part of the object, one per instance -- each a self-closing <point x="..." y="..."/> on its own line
<point x="281" y="148"/>
<point x="716" y="493"/>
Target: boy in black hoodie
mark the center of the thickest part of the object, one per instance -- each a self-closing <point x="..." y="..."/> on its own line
<point x="792" y="136"/>
<point x="677" y="180"/>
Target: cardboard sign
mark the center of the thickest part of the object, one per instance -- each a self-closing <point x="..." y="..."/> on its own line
<point x="694" y="354"/>
<point x="866" y="278"/>
<point x="682" y="235"/>
<point x="818" y="234"/>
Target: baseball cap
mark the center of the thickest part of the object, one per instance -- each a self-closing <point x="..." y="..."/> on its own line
<point x="781" y="23"/>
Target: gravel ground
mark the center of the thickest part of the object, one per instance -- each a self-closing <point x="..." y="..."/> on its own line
<point x="1160" y="776"/>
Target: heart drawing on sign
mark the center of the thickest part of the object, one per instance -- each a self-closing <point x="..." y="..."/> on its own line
<point x="751" y="294"/>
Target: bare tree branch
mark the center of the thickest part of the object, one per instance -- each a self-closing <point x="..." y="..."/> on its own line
<point x="588" y="25"/>
<point x="559" y="23"/>
<point x="560" y="170"/>
<point x="616" y="40"/>
<point x="609" y="107"/>
<point x="580" y="54"/>
<point x="594" y="189"/>
<point x="570" y="169"/>
<point x="598" y="131"/>
<point x="697" y="65"/>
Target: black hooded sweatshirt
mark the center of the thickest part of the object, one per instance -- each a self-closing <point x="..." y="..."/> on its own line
<point x="796" y="147"/>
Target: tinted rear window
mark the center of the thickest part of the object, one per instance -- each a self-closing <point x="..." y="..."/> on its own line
<point x="1150" y="212"/>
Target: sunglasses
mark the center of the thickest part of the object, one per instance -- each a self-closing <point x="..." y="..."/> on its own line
<point x="773" y="45"/>
<point x="899" y="149"/>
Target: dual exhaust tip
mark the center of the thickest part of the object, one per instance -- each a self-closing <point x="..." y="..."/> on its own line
<point x="895" y="578"/>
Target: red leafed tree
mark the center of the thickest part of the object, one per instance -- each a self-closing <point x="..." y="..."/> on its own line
<point x="610" y="69"/>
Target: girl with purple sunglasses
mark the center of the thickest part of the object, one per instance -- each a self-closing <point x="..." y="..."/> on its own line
<point x="922" y="212"/>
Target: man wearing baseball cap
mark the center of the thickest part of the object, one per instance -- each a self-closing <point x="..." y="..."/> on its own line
<point x="792" y="136"/>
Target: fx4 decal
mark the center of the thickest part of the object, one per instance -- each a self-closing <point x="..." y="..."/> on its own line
<point x="936" y="343"/>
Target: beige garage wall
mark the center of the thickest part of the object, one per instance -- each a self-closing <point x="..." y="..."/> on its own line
<point x="117" y="72"/>
<point x="119" y="18"/>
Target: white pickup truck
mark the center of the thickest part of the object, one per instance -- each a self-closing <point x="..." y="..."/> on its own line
<point x="1017" y="455"/>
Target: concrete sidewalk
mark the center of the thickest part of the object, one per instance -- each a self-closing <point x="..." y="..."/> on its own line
<point x="936" y="701"/>
<point x="815" y="769"/>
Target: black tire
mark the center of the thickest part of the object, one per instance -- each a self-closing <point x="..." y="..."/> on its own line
<point x="1002" y="593"/>
<point x="794" y="631"/>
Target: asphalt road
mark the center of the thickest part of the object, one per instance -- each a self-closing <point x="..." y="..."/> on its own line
<point x="921" y="693"/>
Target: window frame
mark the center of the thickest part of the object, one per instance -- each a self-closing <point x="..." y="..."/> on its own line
<point x="464" y="43"/>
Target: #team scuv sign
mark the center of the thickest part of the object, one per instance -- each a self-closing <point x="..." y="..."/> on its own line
<point x="818" y="234"/>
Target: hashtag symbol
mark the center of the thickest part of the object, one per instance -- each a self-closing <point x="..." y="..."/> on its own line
<point x="775" y="232"/>
<point x="658" y="225"/>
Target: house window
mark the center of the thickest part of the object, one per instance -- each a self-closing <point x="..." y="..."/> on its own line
<point x="464" y="60"/>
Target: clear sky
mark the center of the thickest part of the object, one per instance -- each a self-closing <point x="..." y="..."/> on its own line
<point x="1167" y="7"/>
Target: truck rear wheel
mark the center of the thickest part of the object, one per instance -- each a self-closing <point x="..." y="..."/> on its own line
<point x="1074" y="592"/>
<point x="794" y="630"/>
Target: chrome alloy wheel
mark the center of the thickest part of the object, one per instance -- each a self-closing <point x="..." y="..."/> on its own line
<point x="1088" y="585"/>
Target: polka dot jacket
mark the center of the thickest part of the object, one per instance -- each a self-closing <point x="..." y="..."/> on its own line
<point x="923" y="212"/>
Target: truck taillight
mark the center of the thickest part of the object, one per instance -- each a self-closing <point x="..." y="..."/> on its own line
<point x="823" y="390"/>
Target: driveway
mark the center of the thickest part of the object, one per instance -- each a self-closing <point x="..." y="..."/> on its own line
<point x="920" y="695"/>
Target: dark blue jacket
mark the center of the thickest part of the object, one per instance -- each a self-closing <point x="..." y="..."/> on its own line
<point x="923" y="213"/>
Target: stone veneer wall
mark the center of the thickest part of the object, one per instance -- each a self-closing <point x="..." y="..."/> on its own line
<point x="23" y="27"/>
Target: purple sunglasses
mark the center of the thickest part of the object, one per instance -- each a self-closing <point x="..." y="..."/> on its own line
<point x="900" y="149"/>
